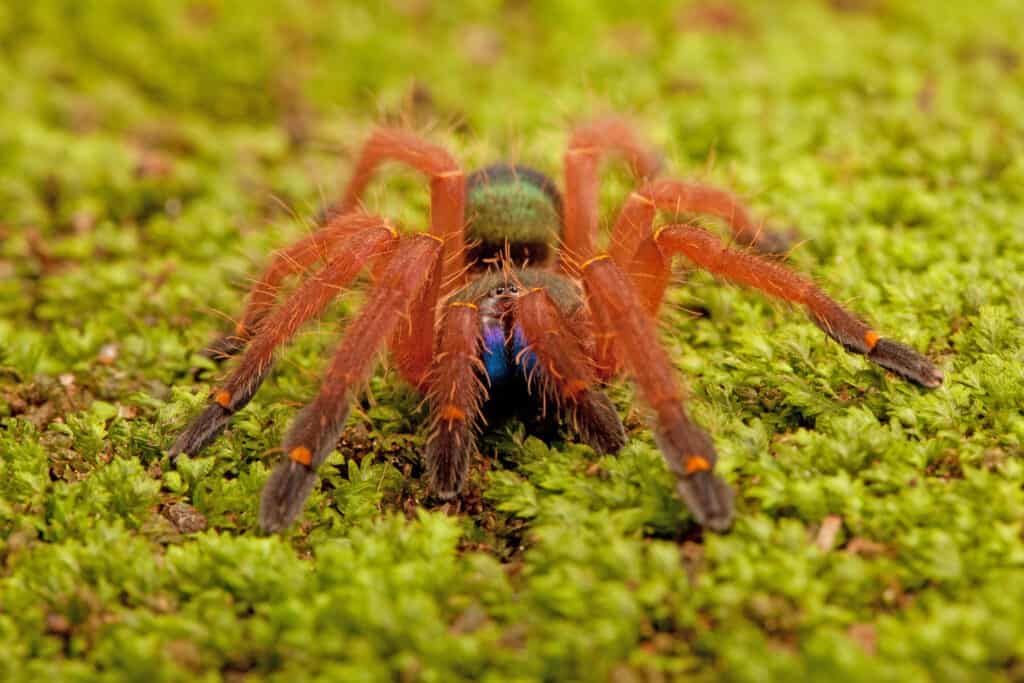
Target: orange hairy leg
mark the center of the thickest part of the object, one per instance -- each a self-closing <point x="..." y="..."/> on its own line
<point x="687" y="448"/>
<point x="565" y="374"/>
<point x="412" y="342"/>
<point x="306" y="302"/>
<point x="456" y="393"/>
<point x="589" y="145"/>
<point x="291" y="260"/>
<point x="605" y="352"/>
<point x="447" y="189"/>
<point x="676" y="196"/>
<point x="315" y="430"/>
<point x="652" y="265"/>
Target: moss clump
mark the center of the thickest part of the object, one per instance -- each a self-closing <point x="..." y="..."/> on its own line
<point x="154" y="154"/>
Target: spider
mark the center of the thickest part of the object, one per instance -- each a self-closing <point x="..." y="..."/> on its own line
<point x="509" y="289"/>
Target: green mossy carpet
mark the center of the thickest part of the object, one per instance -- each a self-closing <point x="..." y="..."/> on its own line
<point x="153" y="156"/>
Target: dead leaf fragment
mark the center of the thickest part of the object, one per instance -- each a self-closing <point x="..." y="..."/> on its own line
<point x="185" y="517"/>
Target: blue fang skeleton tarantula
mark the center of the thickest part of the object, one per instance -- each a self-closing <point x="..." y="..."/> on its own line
<point x="562" y="325"/>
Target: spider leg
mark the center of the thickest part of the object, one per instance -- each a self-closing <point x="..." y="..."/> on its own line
<point x="447" y="189"/>
<point x="604" y="349"/>
<point x="651" y="271"/>
<point x="291" y="260"/>
<point x="306" y="302"/>
<point x="687" y="449"/>
<point x="565" y="374"/>
<point x="412" y="351"/>
<point x="314" y="432"/>
<point x="589" y="144"/>
<point x="455" y="396"/>
<point x="668" y="194"/>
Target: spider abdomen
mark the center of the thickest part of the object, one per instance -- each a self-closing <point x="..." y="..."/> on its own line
<point x="512" y="211"/>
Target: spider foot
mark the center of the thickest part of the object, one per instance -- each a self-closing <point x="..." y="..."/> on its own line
<point x="708" y="498"/>
<point x="310" y="440"/>
<point x="905" y="362"/>
<point x="285" y="494"/>
<point x="206" y="427"/>
<point x="224" y="347"/>
<point x="598" y="423"/>
<point x="774" y="242"/>
<point x="691" y="456"/>
<point x="447" y="461"/>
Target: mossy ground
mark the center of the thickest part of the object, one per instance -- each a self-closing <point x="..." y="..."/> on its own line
<point x="153" y="154"/>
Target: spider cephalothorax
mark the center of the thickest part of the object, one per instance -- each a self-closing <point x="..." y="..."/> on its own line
<point x="478" y="304"/>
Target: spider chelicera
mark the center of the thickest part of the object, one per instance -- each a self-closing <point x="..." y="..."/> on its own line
<point x="482" y="302"/>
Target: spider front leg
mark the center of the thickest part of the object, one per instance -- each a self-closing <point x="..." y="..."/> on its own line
<point x="687" y="449"/>
<point x="651" y="270"/>
<point x="306" y="302"/>
<point x="455" y="396"/>
<point x="314" y="432"/>
<point x="411" y="347"/>
<point x="560" y="368"/>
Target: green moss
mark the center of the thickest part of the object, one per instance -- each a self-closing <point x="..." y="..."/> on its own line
<point x="154" y="154"/>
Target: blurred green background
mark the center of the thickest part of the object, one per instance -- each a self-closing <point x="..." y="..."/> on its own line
<point x="153" y="154"/>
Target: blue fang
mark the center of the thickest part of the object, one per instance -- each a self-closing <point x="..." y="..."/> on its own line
<point x="495" y="357"/>
<point x="506" y="358"/>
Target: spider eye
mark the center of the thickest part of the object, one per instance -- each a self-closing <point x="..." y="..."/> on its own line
<point x="499" y="291"/>
<point x="512" y="289"/>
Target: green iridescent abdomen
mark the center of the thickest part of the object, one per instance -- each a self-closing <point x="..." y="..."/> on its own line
<point x="515" y="208"/>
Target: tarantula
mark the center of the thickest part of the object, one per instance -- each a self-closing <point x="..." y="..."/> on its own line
<point x="512" y="311"/>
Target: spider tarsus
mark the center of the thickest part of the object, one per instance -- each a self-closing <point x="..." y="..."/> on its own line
<point x="316" y="431"/>
<point x="447" y="461"/>
<point x="203" y="429"/>
<point x="598" y="423"/>
<point x="445" y="492"/>
<point x="224" y="347"/>
<point x="773" y="242"/>
<point x="709" y="500"/>
<point x="285" y="494"/>
<point x="906" y="362"/>
<point x="289" y="485"/>
<point x="221" y="349"/>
